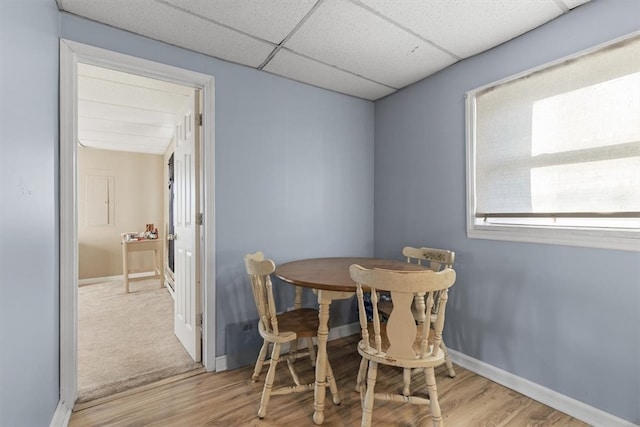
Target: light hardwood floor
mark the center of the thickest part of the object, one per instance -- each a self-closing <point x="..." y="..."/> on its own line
<point x="231" y="399"/>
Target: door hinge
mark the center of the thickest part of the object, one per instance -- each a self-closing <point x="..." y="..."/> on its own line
<point x="199" y="219"/>
<point x="200" y="119"/>
<point x="199" y="319"/>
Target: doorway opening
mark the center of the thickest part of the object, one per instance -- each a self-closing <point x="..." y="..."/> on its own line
<point x="127" y="128"/>
<point x="112" y="160"/>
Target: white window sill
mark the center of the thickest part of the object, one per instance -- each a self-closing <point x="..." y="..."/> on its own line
<point x="627" y="240"/>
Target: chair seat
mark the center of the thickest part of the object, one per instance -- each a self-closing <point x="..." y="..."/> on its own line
<point x="302" y="321"/>
<point x="372" y="354"/>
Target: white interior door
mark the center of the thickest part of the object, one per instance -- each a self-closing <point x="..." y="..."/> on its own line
<point x="186" y="208"/>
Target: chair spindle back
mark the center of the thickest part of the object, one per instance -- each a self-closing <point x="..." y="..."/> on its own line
<point x="259" y="271"/>
<point x="401" y="328"/>
<point x="433" y="259"/>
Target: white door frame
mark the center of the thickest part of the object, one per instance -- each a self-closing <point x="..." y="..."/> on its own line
<point x="72" y="53"/>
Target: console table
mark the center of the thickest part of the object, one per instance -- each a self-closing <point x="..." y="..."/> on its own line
<point x="129" y="246"/>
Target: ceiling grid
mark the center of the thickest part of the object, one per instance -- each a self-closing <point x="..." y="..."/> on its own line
<point x="381" y="44"/>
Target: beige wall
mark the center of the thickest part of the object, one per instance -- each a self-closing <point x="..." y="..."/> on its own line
<point x="138" y="199"/>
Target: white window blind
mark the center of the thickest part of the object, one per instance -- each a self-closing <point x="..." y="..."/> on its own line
<point x="562" y="142"/>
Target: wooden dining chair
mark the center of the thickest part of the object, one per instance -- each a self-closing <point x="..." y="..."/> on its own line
<point x="401" y="342"/>
<point x="435" y="260"/>
<point x="293" y="346"/>
<point x="279" y="329"/>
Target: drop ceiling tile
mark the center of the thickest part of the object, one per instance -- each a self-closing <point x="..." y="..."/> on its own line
<point x="296" y="67"/>
<point x="268" y="20"/>
<point x="162" y="22"/>
<point x="467" y="27"/>
<point x="345" y="35"/>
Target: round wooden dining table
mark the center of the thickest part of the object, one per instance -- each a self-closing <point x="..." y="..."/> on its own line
<point x="330" y="280"/>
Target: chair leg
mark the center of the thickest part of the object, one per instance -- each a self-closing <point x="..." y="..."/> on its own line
<point x="367" y="409"/>
<point x="293" y="349"/>
<point x="447" y="361"/>
<point x="333" y="387"/>
<point x="294" y="375"/>
<point x="268" y="382"/>
<point x="312" y="351"/>
<point x="406" y="381"/>
<point x="260" y="361"/>
<point x="360" y="382"/>
<point x="433" y="397"/>
<point x="362" y="375"/>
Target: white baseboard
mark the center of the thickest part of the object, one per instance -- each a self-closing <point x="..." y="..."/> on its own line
<point x="61" y="416"/>
<point x="551" y="398"/>
<point x="334" y="334"/>
<point x="93" y="280"/>
<point x="344" y="331"/>
<point x="221" y="363"/>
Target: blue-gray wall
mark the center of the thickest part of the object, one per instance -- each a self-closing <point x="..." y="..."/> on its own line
<point x="294" y="178"/>
<point x="566" y="318"/>
<point x="294" y="168"/>
<point x="28" y="212"/>
<point x="319" y="147"/>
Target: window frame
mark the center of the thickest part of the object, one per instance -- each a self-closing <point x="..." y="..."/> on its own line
<point x="619" y="239"/>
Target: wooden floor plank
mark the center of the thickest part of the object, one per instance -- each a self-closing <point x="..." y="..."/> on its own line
<point x="231" y="399"/>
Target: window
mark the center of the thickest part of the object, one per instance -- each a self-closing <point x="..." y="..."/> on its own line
<point x="553" y="154"/>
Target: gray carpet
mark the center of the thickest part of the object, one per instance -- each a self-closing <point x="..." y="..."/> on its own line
<point x="126" y="340"/>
